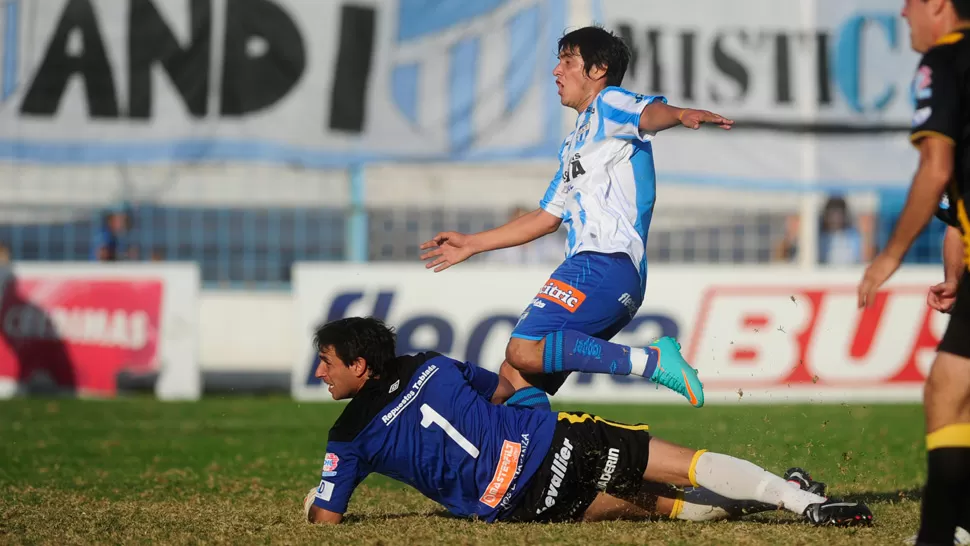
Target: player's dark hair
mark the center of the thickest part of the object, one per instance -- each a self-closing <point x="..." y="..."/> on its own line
<point x="962" y="8"/>
<point x="358" y="337"/>
<point x="599" y="47"/>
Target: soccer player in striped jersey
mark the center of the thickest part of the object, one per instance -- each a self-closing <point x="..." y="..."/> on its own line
<point x="604" y="192"/>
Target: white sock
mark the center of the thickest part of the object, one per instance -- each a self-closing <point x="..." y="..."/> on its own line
<point x="638" y="361"/>
<point x="701" y="504"/>
<point x="741" y="480"/>
<point x="701" y="512"/>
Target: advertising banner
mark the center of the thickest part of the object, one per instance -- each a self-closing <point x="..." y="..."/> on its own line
<point x="755" y="335"/>
<point x="76" y="327"/>
<point x="820" y="89"/>
<point x="295" y="82"/>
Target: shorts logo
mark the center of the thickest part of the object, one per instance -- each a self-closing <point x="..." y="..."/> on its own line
<point x="612" y="458"/>
<point x="561" y="293"/>
<point x="330" y="462"/>
<point x="631" y="305"/>
<point x="508" y="462"/>
<point x="560" y="462"/>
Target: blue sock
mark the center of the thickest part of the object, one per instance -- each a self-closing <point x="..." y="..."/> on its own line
<point x="569" y="350"/>
<point x="529" y="397"/>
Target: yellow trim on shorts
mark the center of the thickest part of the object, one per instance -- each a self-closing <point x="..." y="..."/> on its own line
<point x="678" y="505"/>
<point x="957" y="435"/>
<point x="583" y="417"/>
<point x="692" y="473"/>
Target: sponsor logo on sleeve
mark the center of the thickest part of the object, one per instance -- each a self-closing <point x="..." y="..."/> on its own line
<point x="504" y="474"/>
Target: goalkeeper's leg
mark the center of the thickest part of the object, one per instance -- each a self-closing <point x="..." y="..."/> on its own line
<point x="741" y="480"/>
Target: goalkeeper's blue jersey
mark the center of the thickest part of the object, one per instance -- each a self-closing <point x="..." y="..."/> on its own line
<point x="428" y="422"/>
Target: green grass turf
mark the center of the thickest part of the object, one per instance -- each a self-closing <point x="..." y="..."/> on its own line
<point x="235" y="471"/>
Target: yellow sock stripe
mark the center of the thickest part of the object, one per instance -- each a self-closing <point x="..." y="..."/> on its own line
<point x="957" y="435"/>
<point x="579" y="418"/>
<point x="678" y="505"/>
<point x="692" y="473"/>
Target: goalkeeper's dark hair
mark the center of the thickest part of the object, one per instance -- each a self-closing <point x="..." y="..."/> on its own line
<point x="358" y="337"/>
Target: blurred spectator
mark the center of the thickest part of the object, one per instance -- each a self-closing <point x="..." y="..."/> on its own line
<point x="544" y="250"/>
<point x="4" y="254"/>
<point x="928" y="246"/>
<point x="111" y="242"/>
<point x="158" y="255"/>
<point x="840" y="242"/>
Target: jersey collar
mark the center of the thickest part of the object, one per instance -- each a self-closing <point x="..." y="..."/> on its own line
<point x="955" y="36"/>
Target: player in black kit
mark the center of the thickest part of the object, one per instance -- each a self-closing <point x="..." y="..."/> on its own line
<point x="940" y="29"/>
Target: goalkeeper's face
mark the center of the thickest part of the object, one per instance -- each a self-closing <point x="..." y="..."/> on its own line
<point x="344" y="379"/>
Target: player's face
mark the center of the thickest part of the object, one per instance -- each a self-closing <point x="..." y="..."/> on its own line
<point x="574" y="85"/>
<point x="920" y="16"/>
<point x="344" y="380"/>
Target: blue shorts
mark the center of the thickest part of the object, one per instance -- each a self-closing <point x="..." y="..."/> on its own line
<point x="592" y="293"/>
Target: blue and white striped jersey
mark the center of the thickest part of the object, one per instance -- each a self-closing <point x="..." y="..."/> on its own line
<point x="605" y="188"/>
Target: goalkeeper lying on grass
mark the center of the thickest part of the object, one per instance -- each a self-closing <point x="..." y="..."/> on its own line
<point x="429" y="421"/>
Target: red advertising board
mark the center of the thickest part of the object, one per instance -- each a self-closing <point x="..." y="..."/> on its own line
<point x="804" y="335"/>
<point x="79" y="331"/>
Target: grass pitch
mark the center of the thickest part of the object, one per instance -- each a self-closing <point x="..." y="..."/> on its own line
<point x="235" y="471"/>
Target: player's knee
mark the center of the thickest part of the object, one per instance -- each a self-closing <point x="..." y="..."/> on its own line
<point x="524" y="355"/>
<point x="945" y="394"/>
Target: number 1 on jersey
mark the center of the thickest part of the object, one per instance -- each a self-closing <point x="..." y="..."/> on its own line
<point x="429" y="416"/>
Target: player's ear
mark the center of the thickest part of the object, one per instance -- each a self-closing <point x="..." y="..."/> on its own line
<point x="597" y="71"/>
<point x="359" y="367"/>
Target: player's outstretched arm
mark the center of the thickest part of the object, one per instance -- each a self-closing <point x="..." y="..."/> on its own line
<point x="449" y="248"/>
<point x="658" y="116"/>
<point x="932" y="176"/>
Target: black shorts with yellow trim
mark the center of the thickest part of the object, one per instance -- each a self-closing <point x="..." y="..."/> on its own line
<point x="589" y="455"/>
<point x="956" y="339"/>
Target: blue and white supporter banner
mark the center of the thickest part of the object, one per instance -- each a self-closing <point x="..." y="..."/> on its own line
<point x="305" y="82"/>
<point x="820" y="89"/>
